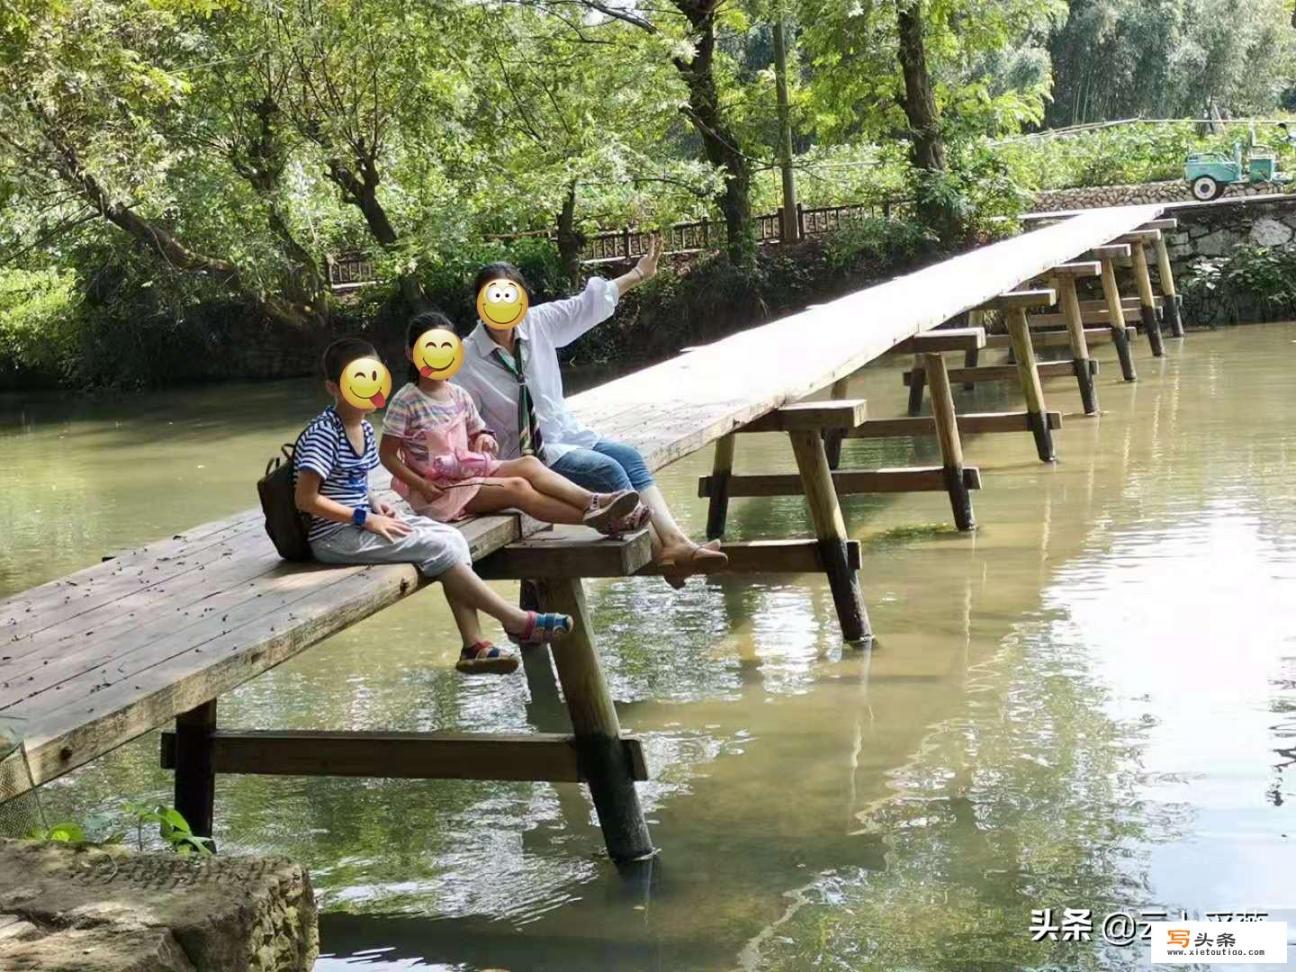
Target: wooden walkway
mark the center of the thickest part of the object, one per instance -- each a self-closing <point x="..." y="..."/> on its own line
<point x="158" y="633"/>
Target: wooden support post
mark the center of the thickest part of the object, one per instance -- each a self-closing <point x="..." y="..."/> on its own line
<point x="947" y="434"/>
<point x="1116" y="315"/>
<point x="972" y="356"/>
<point x="195" y="774"/>
<point x="1171" y="305"/>
<point x="1019" y="332"/>
<point x="833" y="437"/>
<point x="721" y="468"/>
<point x="1079" y="346"/>
<point x="830" y="531"/>
<point x="1147" y="301"/>
<point x="916" y="387"/>
<point x="603" y="759"/>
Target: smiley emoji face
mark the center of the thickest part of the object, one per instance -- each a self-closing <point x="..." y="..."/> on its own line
<point x="502" y="303"/>
<point x="365" y="383"/>
<point x="437" y="353"/>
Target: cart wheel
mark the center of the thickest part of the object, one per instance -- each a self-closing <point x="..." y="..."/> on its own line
<point x="1205" y="188"/>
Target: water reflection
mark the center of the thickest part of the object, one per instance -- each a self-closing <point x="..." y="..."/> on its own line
<point x="1089" y="703"/>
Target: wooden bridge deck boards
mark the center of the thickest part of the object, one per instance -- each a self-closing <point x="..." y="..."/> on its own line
<point x="94" y="659"/>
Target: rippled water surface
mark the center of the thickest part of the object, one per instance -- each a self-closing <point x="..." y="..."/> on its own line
<point x="1090" y="703"/>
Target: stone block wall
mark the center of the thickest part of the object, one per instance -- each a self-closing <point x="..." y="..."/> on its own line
<point x="1094" y="197"/>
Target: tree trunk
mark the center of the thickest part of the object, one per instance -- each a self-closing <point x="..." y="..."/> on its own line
<point x="362" y="192"/>
<point x="718" y="141"/>
<point x="157" y="240"/>
<point x="569" y="241"/>
<point x="789" y="231"/>
<point x="926" y="148"/>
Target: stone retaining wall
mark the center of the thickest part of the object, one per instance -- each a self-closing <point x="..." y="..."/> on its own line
<point x="78" y="908"/>
<point x="1094" y="197"/>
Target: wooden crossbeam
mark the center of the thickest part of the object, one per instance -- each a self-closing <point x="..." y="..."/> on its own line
<point x="1025" y="299"/>
<point x="812" y="416"/>
<point x="1047" y="369"/>
<point x="1085" y="269"/>
<point x="946" y="339"/>
<point x="1100" y="306"/>
<point x="568" y="552"/>
<point x="1168" y="223"/>
<point x="1058" y="339"/>
<point x="1112" y="251"/>
<point x="1139" y="236"/>
<point x="968" y="424"/>
<point x="798" y="556"/>
<point x="549" y="757"/>
<point x="914" y="479"/>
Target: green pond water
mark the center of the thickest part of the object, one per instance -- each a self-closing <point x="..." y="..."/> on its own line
<point x="1089" y="703"/>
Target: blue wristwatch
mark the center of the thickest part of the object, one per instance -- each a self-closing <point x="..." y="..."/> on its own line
<point x="359" y="515"/>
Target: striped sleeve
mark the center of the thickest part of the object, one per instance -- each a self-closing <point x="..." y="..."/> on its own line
<point x="317" y="449"/>
<point x="371" y="448"/>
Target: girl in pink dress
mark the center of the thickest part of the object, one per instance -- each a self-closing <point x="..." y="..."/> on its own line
<point x="443" y="458"/>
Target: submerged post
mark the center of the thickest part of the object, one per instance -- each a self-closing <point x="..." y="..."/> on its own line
<point x="830" y="530"/>
<point x="1169" y="294"/>
<point x="1106" y="255"/>
<point x="833" y="437"/>
<point x="916" y="386"/>
<point x="195" y="773"/>
<point x="1064" y="278"/>
<point x="603" y="759"/>
<point x="947" y="434"/>
<point x="1138" y="241"/>
<point x="721" y="469"/>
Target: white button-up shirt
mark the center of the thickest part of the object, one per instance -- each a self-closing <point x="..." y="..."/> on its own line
<point x="547" y="328"/>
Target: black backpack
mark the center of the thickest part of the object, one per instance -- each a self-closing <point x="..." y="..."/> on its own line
<point x="286" y="525"/>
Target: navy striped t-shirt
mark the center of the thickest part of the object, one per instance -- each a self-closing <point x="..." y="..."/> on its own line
<point x="323" y="448"/>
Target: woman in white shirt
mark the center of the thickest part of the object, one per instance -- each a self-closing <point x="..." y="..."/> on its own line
<point x="512" y="373"/>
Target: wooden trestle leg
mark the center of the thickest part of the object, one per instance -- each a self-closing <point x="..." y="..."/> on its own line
<point x="195" y="774"/>
<point x="721" y="469"/>
<point x="1024" y="355"/>
<point x="947" y="434"/>
<point x="833" y="437"/>
<point x="1147" y="300"/>
<point x="1079" y="346"/>
<point x="603" y="758"/>
<point x="916" y="387"/>
<point x="830" y="531"/>
<point x="1169" y="295"/>
<point x="1115" y="312"/>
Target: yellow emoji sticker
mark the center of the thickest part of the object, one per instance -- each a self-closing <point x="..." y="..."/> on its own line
<point x="365" y="383"/>
<point x="502" y="304"/>
<point x="437" y="353"/>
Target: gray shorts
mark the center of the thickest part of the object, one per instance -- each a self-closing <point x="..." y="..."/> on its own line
<point x="432" y="546"/>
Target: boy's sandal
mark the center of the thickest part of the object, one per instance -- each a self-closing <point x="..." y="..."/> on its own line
<point x="602" y="517"/>
<point x="483" y="658"/>
<point x="541" y="629"/>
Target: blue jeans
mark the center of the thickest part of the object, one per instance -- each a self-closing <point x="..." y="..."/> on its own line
<point x="606" y="468"/>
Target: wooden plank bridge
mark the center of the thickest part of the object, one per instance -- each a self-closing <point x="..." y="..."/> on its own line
<point x="155" y="635"/>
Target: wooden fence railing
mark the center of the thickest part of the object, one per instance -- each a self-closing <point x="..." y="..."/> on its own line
<point x="352" y="268"/>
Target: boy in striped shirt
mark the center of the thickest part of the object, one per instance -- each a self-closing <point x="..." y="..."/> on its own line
<point x="349" y="525"/>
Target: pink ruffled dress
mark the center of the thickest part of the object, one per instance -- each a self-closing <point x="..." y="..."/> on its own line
<point x="436" y="439"/>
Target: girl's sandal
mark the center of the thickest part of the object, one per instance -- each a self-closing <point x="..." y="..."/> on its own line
<point x="636" y="519"/>
<point x="541" y="629"/>
<point x="604" y="516"/>
<point x="483" y="658"/>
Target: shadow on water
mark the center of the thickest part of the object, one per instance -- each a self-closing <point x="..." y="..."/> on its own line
<point x="1038" y="728"/>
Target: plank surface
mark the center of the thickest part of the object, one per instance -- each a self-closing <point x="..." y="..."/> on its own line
<point x="92" y="660"/>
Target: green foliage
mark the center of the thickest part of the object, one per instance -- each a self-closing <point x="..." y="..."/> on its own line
<point x="1253" y="281"/>
<point x="173" y="829"/>
<point x="38" y="310"/>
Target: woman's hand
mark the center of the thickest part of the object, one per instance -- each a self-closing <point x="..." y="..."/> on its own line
<point x="647" y="265"/>
<point x="486" y="443"/>
<point x="383" y="509"/>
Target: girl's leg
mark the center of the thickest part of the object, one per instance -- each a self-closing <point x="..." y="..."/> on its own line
<point x="466" y="591"/>
<point x="514" y="492"/>
<point x="546" y="481"/>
